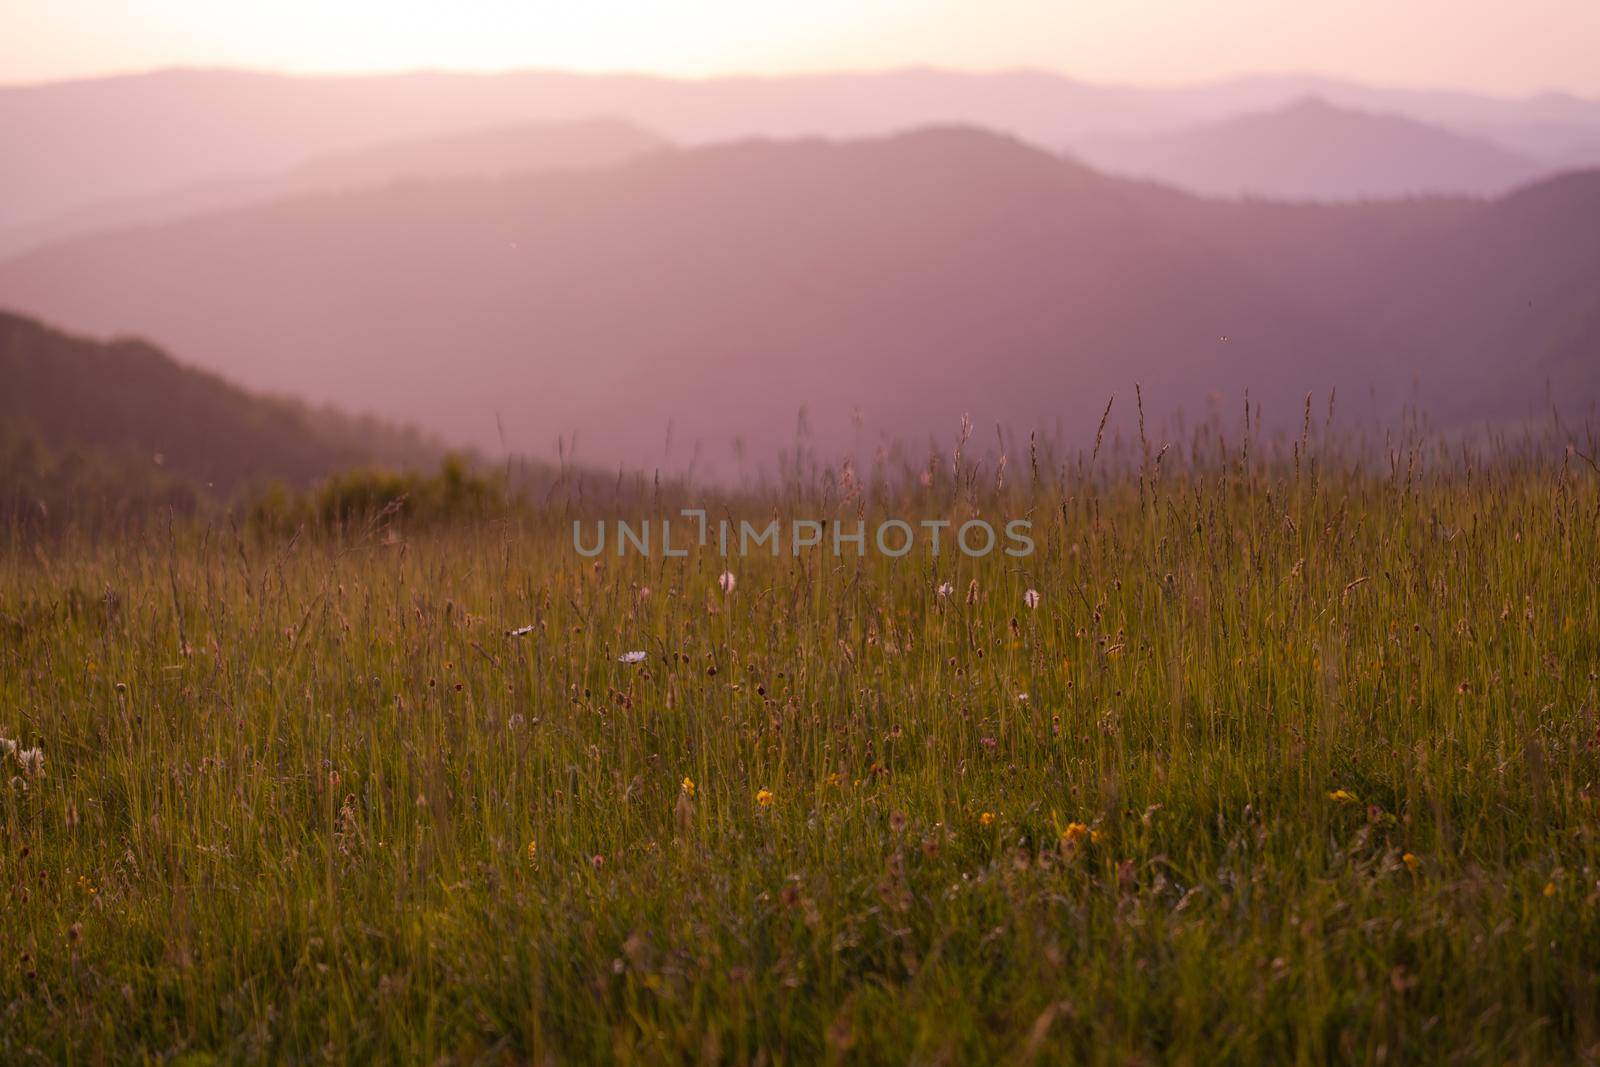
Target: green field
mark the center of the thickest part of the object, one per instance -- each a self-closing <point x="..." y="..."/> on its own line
<point x="1295" y="760"/>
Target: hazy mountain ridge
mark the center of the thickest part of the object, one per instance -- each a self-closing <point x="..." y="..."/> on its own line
<point x="527" y="147"/>
<point x="914" y="278"/>
<point x="1313" y="150"/>
<point x="193" y="126"/>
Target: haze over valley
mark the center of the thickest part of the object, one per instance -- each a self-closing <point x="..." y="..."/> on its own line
<point x="668" y="272"/>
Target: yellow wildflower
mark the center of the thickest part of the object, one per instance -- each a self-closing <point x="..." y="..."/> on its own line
<point x="1074" y="833"/>
<point x="986" y="818"/>
<point x="688" y="786"/>
<point x="764" y="797"/>
<point x="1410" y="860"/>
<point x="1344" y="796"/>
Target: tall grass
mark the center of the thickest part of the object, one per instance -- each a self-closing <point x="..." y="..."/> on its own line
<point x="1294" y="761"/>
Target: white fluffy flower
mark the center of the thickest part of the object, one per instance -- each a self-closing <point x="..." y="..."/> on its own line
<point x="633" y="657"/>
<point x="727" y="581"/>
<point x="32" y="760"/>
<point x="1031" y="598"/>
<point x="945" y="589"/>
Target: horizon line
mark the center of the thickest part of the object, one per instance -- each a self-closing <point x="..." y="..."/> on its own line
<point x="308" y="74"/>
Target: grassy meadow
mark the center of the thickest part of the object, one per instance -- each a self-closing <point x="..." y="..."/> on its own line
<point x="1293" y="759"/>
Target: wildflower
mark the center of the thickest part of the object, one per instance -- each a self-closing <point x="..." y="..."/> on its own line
<point x="986" y="818"/>
<point x="1410" y="860"/>
<point x="8" y="747"/>
<point x="533" y="852"/>
<point x="897" y="821"/>
<point x="597" y="861"/>
<point x="1096" y="836"/>
<point x="687" y="786"/>
<point x="1549" y="889"/>
<point x="835" y="779"/>
<point x="727" y="581"/>
<point x="1074" y="834"/>
<point x="944" y="590"/>
<point x="1343" y="796"/>
<point x="764" y="797"/>
<point x="1031" y="598"/>
<point x="32" y="760"/>
<point x="520" y="631"/>
<point x="632" y="657"/>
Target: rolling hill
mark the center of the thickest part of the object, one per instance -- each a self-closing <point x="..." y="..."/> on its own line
<point x="1312" y="150"/>
<point x="895" y="283"/>
<point x="126" y="418"/>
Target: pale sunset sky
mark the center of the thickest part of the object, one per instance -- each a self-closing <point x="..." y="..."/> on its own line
<point x="1497" y="46"/>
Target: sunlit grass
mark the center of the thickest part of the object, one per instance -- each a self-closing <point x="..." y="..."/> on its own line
<point x="1291" y="759"/>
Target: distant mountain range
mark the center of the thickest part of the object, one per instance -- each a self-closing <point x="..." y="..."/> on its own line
<point x="701" y="294"/>
<point x="127" y="419"/>
<point x="73" y="147"/>
<point x="1312" y="150"/>
<point x="524" y="148"/>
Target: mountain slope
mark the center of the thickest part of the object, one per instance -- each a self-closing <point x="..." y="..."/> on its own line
<point x="527" y="147"/>
<point x="708" y="294"/>
<point x="916" y="277"/>
<point x="1312" y="150"/>
<point x="129" y="401"/>
<point x="1531" y="262"/>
